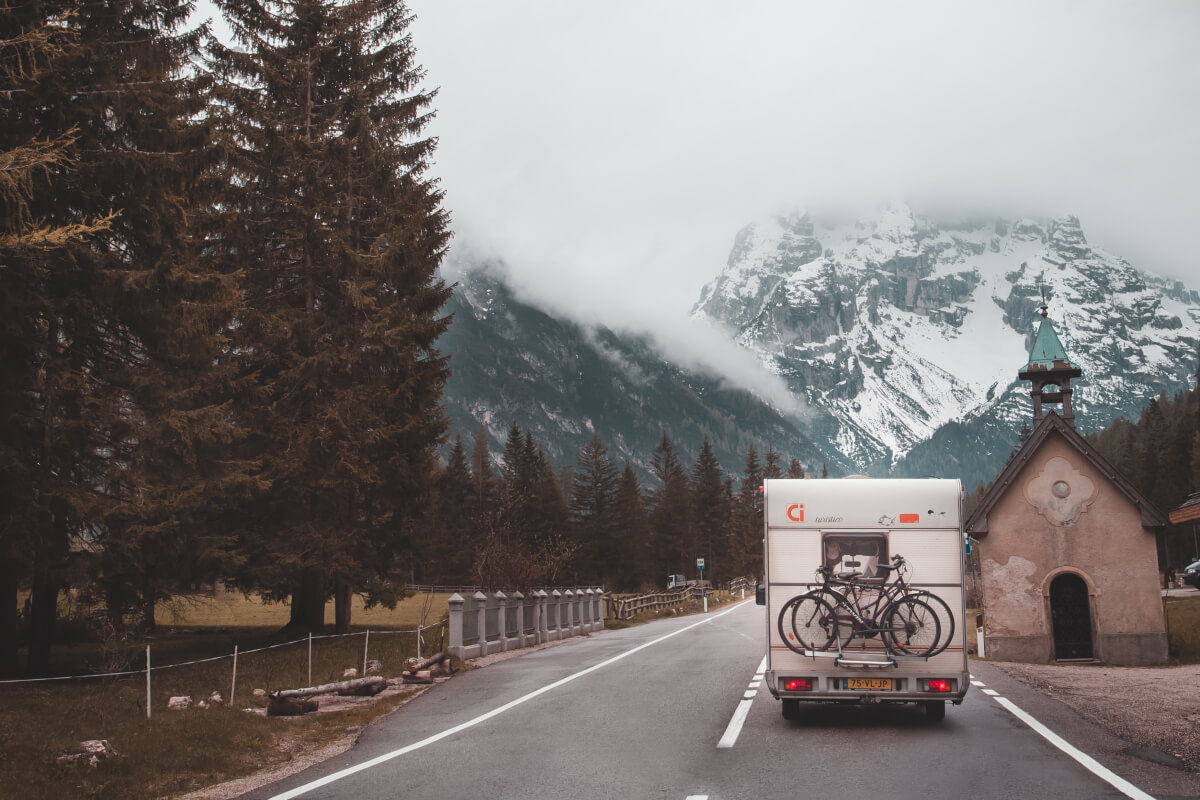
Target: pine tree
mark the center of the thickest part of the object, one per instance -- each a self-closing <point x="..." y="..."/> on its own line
<point x="771" y="468"/>
<point x="795" y="468"/>
<point x="593" y="497"/>
<point x="632" y="534"/>
<point x="711" y="514"/>
<point x="339" y="232"/>
<point x="670" y="517"/>
<point x="115" y="329"/>
<point x="747" y="530"/>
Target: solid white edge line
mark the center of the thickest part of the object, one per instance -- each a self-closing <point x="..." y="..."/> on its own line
<point x="697" y="797"/>
<point x="437" y="737"/>
<point x="734" y="729"/>
<point x="1094" y="766"/>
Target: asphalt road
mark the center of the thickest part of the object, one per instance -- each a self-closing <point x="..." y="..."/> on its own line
<point x="652" y="712"/>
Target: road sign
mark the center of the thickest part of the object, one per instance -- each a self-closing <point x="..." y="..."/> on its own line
<point x="699" y="563"/>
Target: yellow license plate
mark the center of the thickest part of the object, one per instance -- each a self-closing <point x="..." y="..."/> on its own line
<point x="873" y="684"/>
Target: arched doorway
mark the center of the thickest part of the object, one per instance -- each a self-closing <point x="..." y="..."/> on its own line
<point x="1070" y="614"/>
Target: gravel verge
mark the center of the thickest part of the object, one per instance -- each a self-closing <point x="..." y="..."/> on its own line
<point x="1156" y="707"/>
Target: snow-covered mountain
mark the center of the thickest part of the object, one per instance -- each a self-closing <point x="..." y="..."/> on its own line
<point x="905" y="333"/>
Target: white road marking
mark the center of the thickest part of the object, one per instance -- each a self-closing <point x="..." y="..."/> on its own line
<point x="978" y="683"/>
<point x="755" y="684"/>
<point x="495" y="712"/>
<point x="1094" y="766"/>
<point x="734" y="728"/>
<point x="697" y="797"/>
<point x="750" y="694"/>
<point x="990" y="692"/>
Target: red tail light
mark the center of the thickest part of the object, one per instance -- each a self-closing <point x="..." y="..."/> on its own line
<point x="939" y="685"/>
<point x="797" y="684"/>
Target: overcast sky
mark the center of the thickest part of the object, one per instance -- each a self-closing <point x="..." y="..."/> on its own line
<point x="610" y="151"/>
<point x="601" y="147"/>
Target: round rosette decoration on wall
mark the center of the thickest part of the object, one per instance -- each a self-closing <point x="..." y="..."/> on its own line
<point x="1060" y="493"/>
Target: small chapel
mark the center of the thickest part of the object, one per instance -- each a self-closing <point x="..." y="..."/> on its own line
<point x="1067" y="546"/>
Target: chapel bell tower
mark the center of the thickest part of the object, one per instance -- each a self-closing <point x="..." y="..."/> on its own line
<point x="1051" y="371"/>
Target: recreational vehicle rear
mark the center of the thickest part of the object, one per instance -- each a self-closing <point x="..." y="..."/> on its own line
<point x="864" y="592"/>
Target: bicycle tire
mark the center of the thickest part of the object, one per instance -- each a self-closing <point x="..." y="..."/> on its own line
<point x="818" y="623"/>
<point x="911" y="627"/>
<point x="947" y="619"/>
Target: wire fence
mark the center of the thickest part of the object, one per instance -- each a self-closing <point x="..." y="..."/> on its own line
<point x="325" y="656"/>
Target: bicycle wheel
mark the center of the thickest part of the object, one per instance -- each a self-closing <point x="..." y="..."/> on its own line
<point x="806" y="622"/>
<point x="911" y="627"/>
<point x="945" y="616"/>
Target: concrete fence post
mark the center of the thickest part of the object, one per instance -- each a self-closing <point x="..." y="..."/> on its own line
<point x="518" y="605"/>
<point x="556" y="605"/>
<point x="481" y="621"/>
<point x="456" y="625"/>
<point x="501" y="602"/>
<point x="543" y="635"/>
<point x="588" y="594"/>
<point x="569" y="602"/>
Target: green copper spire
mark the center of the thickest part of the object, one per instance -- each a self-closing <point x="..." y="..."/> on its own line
<point x="1047" y="352"/>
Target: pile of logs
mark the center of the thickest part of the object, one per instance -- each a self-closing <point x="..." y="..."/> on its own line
<point x="295" y="702"/>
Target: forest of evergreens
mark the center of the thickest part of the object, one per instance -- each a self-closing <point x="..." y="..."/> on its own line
<point x="219" y="320"/>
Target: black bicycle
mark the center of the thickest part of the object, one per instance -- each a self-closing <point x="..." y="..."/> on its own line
<point x="847" y="606"/>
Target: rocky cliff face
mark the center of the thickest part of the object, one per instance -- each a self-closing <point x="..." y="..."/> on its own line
<point x="906" y="333"/>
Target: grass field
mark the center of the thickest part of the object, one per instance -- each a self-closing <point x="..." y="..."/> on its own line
<point x="173" y="752"/>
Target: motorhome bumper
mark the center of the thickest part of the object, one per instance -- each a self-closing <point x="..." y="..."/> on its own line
<point x="905" y="689"/>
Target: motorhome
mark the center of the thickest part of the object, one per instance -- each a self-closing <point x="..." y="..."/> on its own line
<point x="864" y="592"/>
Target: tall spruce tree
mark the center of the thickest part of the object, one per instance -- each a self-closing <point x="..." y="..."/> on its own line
<point x="632" y="533"/>
<point x="339" y="232"/>
<point x="670" y="517"/>
<point x="710" y="514"/>
<point x="593" y="525"/>
<point x="116" y="329"/>
<point x="747" y="530"/>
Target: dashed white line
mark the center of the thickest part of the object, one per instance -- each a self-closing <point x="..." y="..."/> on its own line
<point x="734" y="728"/>
<point x="990" y="692"/>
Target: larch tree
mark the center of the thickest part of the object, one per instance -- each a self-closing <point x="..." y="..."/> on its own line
<point x="338" y="230"/>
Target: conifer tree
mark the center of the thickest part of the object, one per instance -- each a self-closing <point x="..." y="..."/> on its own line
<point x="670" y="517"/>
<point x="115" y="330"/>
<point x="795" y="468"/>
<point x="632" y="534"/>
<point x="747" y="530"/>
<point x="339" y="232"/>
<point x="592" y="502"/>
<point x="771" y="468"/>
<point x="710" y="514"/>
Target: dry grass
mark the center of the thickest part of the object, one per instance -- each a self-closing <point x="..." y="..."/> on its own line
<point x="1183" y="628"/>
<point x="177" y="751"/>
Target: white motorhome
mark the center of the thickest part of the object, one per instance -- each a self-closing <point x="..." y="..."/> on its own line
<point x="864" y="592"/>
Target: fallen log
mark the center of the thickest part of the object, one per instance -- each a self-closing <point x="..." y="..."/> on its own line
<point x="371" y="685"/>
<point x="432" y="661"/>
<point x="287" y="707"/>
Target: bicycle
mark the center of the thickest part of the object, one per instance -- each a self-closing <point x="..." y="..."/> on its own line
<point x="897" y="589"/>
<point x="902" y="617"/>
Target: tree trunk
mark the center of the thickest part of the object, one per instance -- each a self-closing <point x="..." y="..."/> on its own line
<point x="43" y="613"/>
<point x="8" y="615"/>
<point x="341" y="606"/>
<point x="308" y="602"/>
